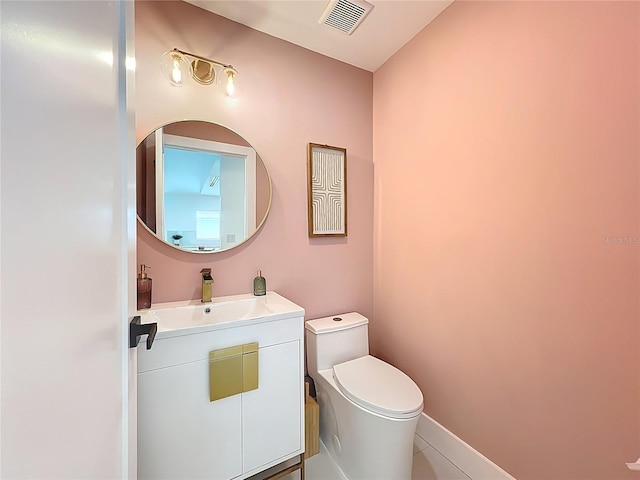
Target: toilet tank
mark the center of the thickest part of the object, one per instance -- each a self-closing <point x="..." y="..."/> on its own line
<point x="336" y="339"/>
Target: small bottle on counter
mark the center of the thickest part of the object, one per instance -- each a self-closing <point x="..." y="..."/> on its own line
<point x="259" y="285"/>
<point x="144" y="288"/>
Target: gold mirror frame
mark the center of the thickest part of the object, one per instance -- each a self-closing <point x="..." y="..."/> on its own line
<point x="146" y="179"/>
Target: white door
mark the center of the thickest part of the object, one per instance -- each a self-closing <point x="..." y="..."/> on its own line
<point x="234" y="169"/>
<point x="67" y="239"/>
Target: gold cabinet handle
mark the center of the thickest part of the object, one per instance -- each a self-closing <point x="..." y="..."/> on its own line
<point x="233" y="370"/>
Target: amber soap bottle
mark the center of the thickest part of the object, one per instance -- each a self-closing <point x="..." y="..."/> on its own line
<point x="144" y="288"/>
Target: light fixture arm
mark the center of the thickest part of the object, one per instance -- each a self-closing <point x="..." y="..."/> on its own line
<point x="203" y="59"/>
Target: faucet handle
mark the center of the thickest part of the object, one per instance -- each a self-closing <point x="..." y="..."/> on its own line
<point x="206" y="274"/>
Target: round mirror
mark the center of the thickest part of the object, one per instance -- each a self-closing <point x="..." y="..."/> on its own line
<point x="201" y="187"/>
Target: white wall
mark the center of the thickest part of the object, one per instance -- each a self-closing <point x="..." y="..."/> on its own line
<point x="233" y="219"/>
<point x="67" y="232"/>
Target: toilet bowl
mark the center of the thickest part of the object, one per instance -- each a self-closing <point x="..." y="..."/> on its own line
<point x="369" y="409"/>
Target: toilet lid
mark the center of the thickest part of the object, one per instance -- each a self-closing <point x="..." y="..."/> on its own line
<point x="378" y="387"/>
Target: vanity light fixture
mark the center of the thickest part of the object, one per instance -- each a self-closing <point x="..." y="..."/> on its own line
<point x="177" y="64"/>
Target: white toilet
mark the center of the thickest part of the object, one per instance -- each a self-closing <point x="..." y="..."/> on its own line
<point x="369" y="409"/>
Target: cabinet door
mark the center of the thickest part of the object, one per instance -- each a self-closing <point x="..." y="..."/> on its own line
<point x="180" y="433"/>
<point x="272" y="414"/>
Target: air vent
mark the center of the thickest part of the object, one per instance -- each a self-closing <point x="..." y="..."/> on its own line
<point x="345" y="15"/>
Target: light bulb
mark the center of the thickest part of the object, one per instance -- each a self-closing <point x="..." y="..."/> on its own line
<point x="175" y="67"/>
<point x="176" y="73"/>
<point x="231" y="86"/>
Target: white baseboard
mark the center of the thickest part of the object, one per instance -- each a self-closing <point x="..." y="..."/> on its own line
<point x="470" y="461"/>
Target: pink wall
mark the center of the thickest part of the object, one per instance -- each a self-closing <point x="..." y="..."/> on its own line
<point x="289" y="97"/>
<point x="506" y="149"/>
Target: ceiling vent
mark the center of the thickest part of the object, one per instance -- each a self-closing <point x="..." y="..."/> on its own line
<point x="345" y="15"/>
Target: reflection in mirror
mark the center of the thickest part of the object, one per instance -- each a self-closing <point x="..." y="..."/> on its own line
<point x="201" y="187"/>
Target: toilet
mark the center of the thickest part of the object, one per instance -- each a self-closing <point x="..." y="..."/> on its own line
<point x="369" y="409"/>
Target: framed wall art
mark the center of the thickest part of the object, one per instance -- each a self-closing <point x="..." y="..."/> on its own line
<point x="327" y="191"/>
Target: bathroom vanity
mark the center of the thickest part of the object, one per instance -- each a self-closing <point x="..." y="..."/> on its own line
<point x="220" y="394"/>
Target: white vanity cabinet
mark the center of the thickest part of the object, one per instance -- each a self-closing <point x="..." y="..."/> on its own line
<point x="184" y="435"/>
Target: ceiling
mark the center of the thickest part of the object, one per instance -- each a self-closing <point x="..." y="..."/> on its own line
<point x="389" y="26"/>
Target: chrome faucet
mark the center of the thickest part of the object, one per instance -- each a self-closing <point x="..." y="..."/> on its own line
<point x="207" y="285"/>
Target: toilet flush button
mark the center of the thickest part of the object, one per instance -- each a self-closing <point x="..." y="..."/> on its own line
<point x="337" y="319"/>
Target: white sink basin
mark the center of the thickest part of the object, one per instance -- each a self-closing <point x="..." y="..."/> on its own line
<point x="193" y="316"/>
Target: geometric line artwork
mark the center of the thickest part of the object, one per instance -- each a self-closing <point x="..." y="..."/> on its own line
<point x="327" y="191"/>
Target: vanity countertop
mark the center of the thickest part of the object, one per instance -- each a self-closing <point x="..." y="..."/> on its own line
<point x="192" y="316"/>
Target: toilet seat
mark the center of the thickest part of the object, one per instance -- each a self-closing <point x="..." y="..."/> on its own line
<point x="378" y="387"/>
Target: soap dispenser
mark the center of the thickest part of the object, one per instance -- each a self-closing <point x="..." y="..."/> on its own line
<point x="144" y="288"/>
<point x="259" y="285"/>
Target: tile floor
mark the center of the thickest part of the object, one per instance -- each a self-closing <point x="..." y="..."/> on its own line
<point x="428" y="464"/>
